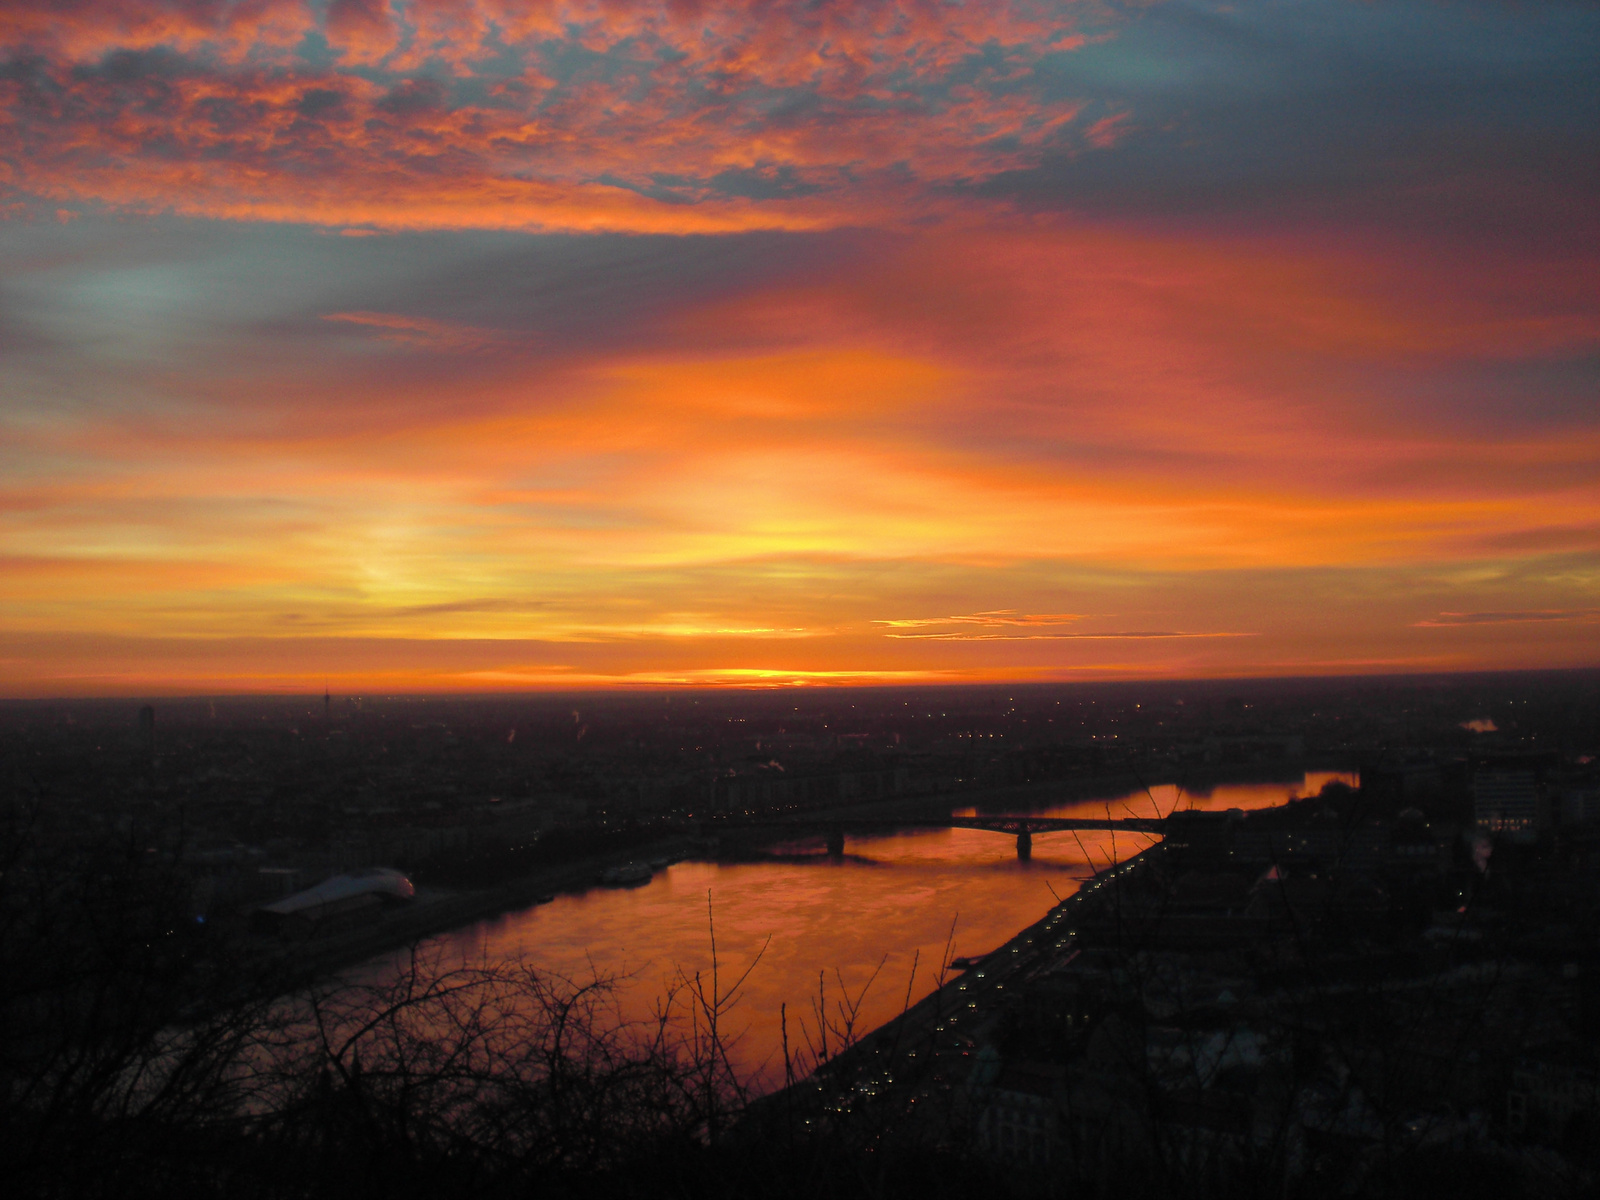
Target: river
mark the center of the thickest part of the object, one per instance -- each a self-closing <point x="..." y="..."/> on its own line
<point x="824" y="926"/>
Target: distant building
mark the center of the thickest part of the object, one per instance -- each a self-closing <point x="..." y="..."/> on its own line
<point x="1507" y="801"/>
<point x="334" y="901"/>
<point x="1553" y="1087"/>
<point x="771" y="786"/>
<point x="1255" y="748"/>
<point x="1406" y="778"/>
<point x="1579" y="803"/>
<point x="1413" y="846"/>
<point x="147" y="730"/>
<point x="1018" y="1106"/>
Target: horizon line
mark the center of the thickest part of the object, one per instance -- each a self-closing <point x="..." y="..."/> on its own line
<point x="626" y="688"/>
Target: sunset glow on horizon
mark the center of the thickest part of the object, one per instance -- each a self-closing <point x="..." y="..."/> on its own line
<point x="509" y="344"/>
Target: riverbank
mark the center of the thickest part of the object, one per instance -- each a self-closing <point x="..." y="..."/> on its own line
<point x="437" y="910"/>
<point x="440" y="910"/>
<point x="1198" y="781"/>
<point x="931" y="1043"/>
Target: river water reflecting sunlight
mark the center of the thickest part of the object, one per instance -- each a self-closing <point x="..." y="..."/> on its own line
<point x="892" y="900"/>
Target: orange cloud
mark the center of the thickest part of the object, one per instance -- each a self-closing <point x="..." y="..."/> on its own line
<point x="362" y="31"/>
<point x="1118" y="636"/>
<point x="1446" y="620"/>
<point x="1003" y="616"/>
<point x="914" y="414"/>
<point x="1100" y="450"/>
<point x="646" y="115"/>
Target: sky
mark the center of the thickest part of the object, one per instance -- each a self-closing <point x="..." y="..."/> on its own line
<point x="426" y="345"/>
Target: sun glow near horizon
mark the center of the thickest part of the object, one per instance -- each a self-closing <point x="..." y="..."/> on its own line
<point x="625" y="384"/>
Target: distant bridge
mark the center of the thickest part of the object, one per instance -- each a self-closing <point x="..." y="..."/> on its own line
<point x="1022" y="827"/>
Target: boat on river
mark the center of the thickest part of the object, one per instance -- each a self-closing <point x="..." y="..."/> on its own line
<point x="627" y="875"/>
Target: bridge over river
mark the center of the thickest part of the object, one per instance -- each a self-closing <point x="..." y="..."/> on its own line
<point x="1021" y="826"/>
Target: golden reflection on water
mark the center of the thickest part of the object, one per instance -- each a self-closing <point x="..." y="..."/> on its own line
<point x="817" y="922"/>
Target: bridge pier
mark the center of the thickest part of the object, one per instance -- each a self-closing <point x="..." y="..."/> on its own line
<point x="836" y="842"/>
<point x="1024" y="845"/>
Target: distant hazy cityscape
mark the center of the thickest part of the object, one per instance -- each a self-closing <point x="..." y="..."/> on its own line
<point x="272" y="790"/>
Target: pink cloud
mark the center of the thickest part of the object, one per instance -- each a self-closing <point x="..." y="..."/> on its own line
<point x="362" y="30"/>
<point x="240" y="126"/>
<point x="419" y="331"/>
<point x="1108" y="131"/>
